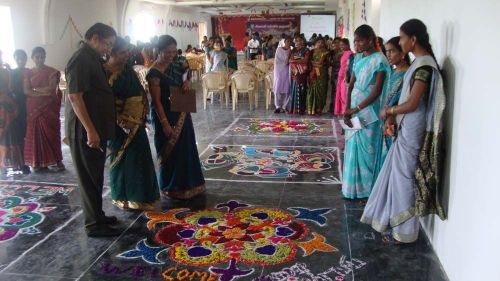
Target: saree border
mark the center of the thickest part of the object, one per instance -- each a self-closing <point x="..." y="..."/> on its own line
<point x="168" y="147"/>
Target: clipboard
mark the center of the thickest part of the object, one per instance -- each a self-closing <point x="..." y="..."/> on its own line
<point x="181" y="101"/>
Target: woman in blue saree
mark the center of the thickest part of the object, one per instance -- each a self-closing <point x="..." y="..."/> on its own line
<point x="180" y="169"/>
<point x="400" y="63"/>
<point x="370" y="73"/>
<point x="131" y="172"/>
<point x="408" y="185"/>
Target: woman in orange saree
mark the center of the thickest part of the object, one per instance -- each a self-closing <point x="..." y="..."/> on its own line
<point x="42" y="146"/>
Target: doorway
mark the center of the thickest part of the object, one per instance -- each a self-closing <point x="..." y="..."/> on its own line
<point x="202" y="31"/>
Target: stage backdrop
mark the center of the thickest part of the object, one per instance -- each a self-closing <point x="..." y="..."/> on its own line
<point x="238" y="25"/>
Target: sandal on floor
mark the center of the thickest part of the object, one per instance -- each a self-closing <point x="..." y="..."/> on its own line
<point x="59" y="167"/>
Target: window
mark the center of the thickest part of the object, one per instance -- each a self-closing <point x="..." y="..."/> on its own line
<point x="7" y="41"/>
<point x="143" y="27"/>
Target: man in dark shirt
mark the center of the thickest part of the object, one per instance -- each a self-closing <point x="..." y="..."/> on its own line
<point x="90" y="122"/>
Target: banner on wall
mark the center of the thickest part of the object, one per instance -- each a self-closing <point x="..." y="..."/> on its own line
<point x="274" y="25"/>
<point x="236" y="26"/>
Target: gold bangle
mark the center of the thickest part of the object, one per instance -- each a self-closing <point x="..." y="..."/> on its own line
<point x="391" y="110"/>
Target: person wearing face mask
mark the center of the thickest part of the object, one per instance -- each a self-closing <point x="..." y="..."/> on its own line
<point x="175" y="141"/>
<point x="42" y="143"/>
<point x="90" y="123"/>
<point x="131" y="171"/>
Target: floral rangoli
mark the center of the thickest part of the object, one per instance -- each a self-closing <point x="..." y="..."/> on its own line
<point x="270" y="162"/>
<point x="17" y="216"/>
<point x="281" y="127"/>
<point x="232" y="233"/>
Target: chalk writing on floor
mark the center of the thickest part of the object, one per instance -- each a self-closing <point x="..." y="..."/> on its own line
<point x="300" y="271"/>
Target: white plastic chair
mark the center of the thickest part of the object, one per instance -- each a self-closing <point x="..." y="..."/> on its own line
<point x="215" y="82"/>
<point x="244" y="82"/>
<point x="268" y="90"/>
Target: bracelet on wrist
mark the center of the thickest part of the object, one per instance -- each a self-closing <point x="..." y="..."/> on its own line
<point x="391" y="110"/>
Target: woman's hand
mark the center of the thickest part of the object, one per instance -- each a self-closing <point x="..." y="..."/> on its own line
<point x="383" y="113"/>
<point x="349" y="112"/>
<point x="186" y="86"/>
<point x="347" y="121"/>
<point x="167" y="129"/>
<point x="126" y="124"/>
<point x="390" y="126"/>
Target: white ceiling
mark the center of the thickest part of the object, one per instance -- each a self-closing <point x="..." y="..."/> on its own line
<point x="235" y="7"/>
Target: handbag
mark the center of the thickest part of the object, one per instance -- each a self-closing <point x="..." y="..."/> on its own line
<point x="182" y="101"/>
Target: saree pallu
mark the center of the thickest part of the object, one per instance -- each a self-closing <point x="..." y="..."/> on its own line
<point x="318" y="85"/>
<point x="132" y="172"/>
<point x="180" y="174"/>
<point x="363" y="146"/>
<point x="10" y="152"/>
<point x="42" y="146"/>
<point x="407" y="186"/>
<point x="341" y="90"/>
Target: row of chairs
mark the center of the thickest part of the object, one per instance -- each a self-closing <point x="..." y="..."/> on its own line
<point x="246" y="80"/>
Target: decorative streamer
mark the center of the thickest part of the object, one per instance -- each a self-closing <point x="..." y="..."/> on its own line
<point x="363" y="10"/>
<point x="73" y="24"/>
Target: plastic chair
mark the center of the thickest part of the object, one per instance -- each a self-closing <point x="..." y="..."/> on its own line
<point x="244" y="83"/>
<point x="215" y="82"/>
<point x="195" y="67"/>
<point x="268" y="90"/>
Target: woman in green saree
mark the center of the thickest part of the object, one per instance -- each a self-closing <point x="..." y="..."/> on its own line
<point x="132" y="173"/>
<point x="318" y="79"/>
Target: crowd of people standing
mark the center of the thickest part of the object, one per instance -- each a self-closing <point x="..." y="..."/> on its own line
<point x="393" y="158"/>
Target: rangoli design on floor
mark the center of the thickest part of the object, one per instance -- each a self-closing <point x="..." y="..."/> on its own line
<point x="227" y="236"/>
<point x="20" y="209"/>
<point x="19" y="217"/>
<point x="271" y="163"/>
<point x="281" y="127"/>
<point x="33" y="191"/>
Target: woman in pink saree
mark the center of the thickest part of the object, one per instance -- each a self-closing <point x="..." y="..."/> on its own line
<point x="42" y="145"/>
<point x="341" y="94"/>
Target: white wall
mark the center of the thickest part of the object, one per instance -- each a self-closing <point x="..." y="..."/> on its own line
<point x="166" y="12"/>
<point x="85" y="14"/>
<point x="465" y="39"/>
<point x="41" y="23"/>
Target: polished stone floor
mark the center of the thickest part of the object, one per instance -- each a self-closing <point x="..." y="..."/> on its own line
<point x="273" y="198"/>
